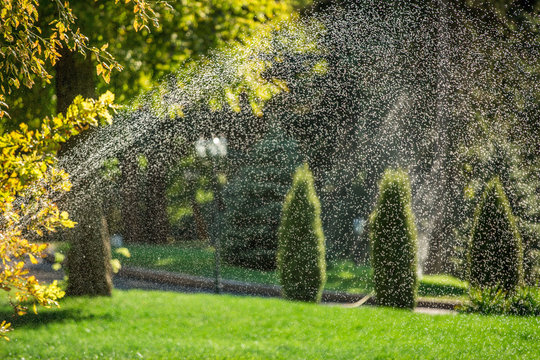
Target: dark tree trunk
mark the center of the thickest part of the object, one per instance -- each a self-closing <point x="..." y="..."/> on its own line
<point x="447" y="190"/>
<point x="75" y="75"/>
<point x="157" y="218"/>
<point x="201" y="227"/>
<point x="89" y="257"/>
<point x="132" y="214"/>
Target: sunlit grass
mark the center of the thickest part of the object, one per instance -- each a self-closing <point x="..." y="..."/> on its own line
<point x="198" y="261"/>
<point x="163" y="325"/>
<point x="341" y="276"/>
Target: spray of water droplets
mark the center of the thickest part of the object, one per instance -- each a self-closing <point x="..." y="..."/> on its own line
<point x="360" y="89"/>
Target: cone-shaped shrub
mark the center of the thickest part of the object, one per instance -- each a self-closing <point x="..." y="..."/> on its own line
<point x="254" y="198"/>
<point x="495" y="257"/>
<point x="394" y="242"/>
<point x="301" y="248"/>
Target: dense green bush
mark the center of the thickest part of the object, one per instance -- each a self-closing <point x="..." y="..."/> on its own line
<point x="530" y="236"/>
<point x="301" y="250"/>
<point x="525" y="301"/>
<point x="495" y="257"/>
<point x="394" y="242"/>
<point x="254" y="198"/>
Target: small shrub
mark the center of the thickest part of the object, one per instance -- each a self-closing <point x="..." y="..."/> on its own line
<point x="301" y="248"/>
<point x="394" y="242"/>
<point x="487" y="301"/>
<point x="495" y="257"/>
<point x="524" y="301"/>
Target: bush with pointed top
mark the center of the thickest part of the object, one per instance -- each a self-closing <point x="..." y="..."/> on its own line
<point x="394" y="242"/>
<point x="495" y="256"/>
<point x="301" y="247"/>
<point x="254" y="198"/>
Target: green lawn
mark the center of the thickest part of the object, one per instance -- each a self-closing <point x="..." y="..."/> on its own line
<point x="344" y="276"/>
<point x="163" y="325"/>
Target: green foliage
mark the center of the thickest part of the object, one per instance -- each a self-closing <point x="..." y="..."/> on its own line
<point x="530" y="236"/>
<point x="31" y="48"/>
<point x="503" y="142"/>
<point x="254" y="199"/>
<point x="495" y="257"/>
<point x="495" y="301"/>
<point x="525" y="302"/>
<point x="490" y="300"/>
<point x="190" y="194"/>
<point x="30" y="184"/>
<point x="520" y="178"/>
<point x="301" y="248"/>
<point x="188" y="30"/>
<point x="394" y="242"/>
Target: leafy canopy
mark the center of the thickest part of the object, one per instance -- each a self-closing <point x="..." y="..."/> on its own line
<point x="30" y="183"/>
<point x="30" y="180"/>
<point x="28" y="47"/>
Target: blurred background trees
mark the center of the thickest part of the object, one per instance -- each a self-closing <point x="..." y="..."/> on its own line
<point x="444" y="88"/>
<point x="453" y="112"/>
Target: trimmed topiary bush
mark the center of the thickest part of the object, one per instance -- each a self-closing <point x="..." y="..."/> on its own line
<point x="254" y="198"/>
<point x="394" y="242"/>
<point x="301" y="249"/>
<point x="495" y="256"/>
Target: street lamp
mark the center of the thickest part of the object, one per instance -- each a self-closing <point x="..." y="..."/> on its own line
<point x="360" y="244"/>
<point x="215" y="149"/>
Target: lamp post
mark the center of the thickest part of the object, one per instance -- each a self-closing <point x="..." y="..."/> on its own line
<point x="361" y="244"/>
<point x="215" y="149"/>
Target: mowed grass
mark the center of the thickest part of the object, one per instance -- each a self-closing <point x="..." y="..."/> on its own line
<point x="342" y="276"/>
<point x="197" y="261"/>
<point x="164" y="325"/>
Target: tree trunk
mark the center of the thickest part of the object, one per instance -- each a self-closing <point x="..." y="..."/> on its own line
<point x="75" y="75"/>
<point x="446" y="177"/>
<point x="157" y="218"/>
<point x="132" y="215"/>
<point x="89" y="258"/>
<point x="200" y="224"/>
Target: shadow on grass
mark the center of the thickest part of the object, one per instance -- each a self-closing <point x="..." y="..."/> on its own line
<point x="42" y="318"/>
<point x="198" y="261"/>
<point x="430" y="289"/>
<point x="346" y="276"/>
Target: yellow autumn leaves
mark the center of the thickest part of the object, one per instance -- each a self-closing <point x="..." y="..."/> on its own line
<point x="29" y="184"/>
